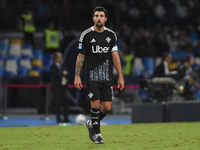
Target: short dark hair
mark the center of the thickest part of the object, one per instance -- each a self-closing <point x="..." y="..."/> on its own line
<point x="187" y="58"/>
<point x="165" y="54"/>
<point x="55" y="55"/>
<point x="100" y="8"/>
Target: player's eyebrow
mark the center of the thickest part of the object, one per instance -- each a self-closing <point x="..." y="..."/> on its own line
<point x="99" y="15"/>
<point x="96" y="15"/>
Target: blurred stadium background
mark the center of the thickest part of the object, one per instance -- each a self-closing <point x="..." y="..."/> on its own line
<point x="145" y="29"/>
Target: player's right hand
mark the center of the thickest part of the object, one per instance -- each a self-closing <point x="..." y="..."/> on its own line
<point x="121" y="83"/>
<point x="78" y="82"/>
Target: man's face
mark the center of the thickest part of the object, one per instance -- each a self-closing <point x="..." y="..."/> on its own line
<point x="168" y="59"/>
<point x="191" y="61"/>
<point x="51" y="26"/>
<point x="59" y="58"/>
<point x="99" y="19"/>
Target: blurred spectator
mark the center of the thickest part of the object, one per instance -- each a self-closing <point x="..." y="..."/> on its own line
<point x="62" y="33"/>
<point x="123" y="7"/>
<point x="140" y="43"/>
<point x="52" y="40"/>
<point x="125" y="36"/>
<point x="181" y="10"/>
<point x="183" y="37"/>
<point x="197" y="49"/>
<point x="189" y="50"/>
<point x="58" y="82"/>
<point x="162" y="70"/>
<point x="175" y="32"/>
<point x="154" y="24"/>
<point x="178" y="53"/>
<point x="167" y="34"/>
<point x="161" y="46"/>
<point x="128" y="58"/>
<point x="159" y="10"/>
<point x="134" y="15"/>
<point x="65" y="13"/>
<point x="69" y="37"/>
<point x="192" y="34"/>
<point x="28" y="27"/>
<point x="150" y="50"/>
<point x="189" y="78"/>
<point x="158" y="30"/>
<point x="165" y="12"/>
<point x="44" y="12"/>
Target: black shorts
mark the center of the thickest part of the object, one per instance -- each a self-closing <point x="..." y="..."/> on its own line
<point x="100" y="91"/>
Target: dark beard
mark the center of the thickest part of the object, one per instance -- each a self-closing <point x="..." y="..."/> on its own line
<point x="99" y="26"/>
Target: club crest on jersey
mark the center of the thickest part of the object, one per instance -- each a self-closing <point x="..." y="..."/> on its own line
<point x="108" y="39"/>
<point x="90" y="95"/>
<point x="80" y="46"/>
<point x="99" y="49"/>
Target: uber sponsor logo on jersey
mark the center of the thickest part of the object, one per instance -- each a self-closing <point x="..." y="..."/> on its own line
<point x="80" y="46"/>
<point x="99" y="49"/>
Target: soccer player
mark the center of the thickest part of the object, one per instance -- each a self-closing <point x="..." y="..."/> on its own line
<point x="97" y="45"/>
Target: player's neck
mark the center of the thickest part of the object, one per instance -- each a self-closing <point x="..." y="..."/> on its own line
<point x="97" y="29"/>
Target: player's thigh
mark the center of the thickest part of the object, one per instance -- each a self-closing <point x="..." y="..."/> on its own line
<point x="106" y="92"/>
<point x="93" y="91"/>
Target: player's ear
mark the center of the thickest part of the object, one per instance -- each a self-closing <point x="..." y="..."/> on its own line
<point x="106" y="19"/>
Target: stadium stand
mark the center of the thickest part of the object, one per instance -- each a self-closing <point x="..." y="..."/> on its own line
<point x="38" y="54"/>
<point x="14" y="57"/>
<point x="138" y="66"/>
<point x="149" y="65"/>
<point x="4" y="48"/>
<point x="22" y="60"/>
<point x="1" y="70"/>
<point x="158" y="60"/>
<point x="27" y="46"/>
<point x="48" y="60"/>
<point x="23" y="71"/>
<point x="34" y="73"/>
<point x="26" y="53"/>
<point x="1" y="63"/>
<point x="2" y="58"/>
<point x="37" y="65"/>
<point x="26" y="63"/>
<point x="139" y="26"/>
<point x="16" y="41"/>
<point x="11" y="67"/>
<point x="15" y="49"/>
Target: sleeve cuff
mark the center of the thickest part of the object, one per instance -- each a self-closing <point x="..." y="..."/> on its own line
<point x="115" y="48"/>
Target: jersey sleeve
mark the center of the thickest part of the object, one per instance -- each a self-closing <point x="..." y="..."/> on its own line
<point x="114" y="46"/>
<point x="81" y="45"/>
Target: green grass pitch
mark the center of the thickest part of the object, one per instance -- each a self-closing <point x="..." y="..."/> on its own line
<point x="154" y="136"/>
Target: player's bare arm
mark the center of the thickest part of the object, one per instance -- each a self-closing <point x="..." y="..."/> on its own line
<point x="79" y="64"/>
<point x="117" y="65"/>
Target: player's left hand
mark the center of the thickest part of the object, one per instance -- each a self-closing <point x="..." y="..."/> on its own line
<point x="121" y="83"/>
